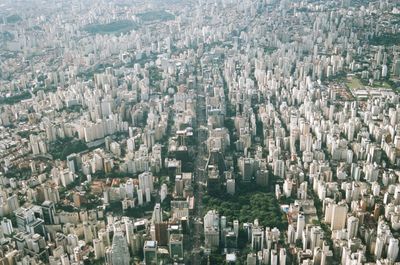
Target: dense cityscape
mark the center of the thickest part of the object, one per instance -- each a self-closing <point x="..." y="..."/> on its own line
<point x="199" y="132"/>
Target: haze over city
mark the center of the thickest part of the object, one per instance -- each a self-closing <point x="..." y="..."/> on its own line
<point x="169" y="132"/>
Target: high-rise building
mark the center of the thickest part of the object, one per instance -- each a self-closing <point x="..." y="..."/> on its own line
<point x="24" y="216"/>
<point x="274" y="257"/>
<point x="140" y="196"/>
<point x="396" y="67"/>
<point x="291" y="234"/>
<point x="230" y="186"/>
<point x="72" y="163"/>
<point x="36" y="227"/>
<point x="65" y="259"/>
<point x="316" y="237"/>
<point x="179" y="184"/>
<point x="393" y="249"/>
<point x="246" y="167"/>
<point x="150" y="252"/>
<point x="236" y="227"/>
<point x="12" y="202"/>
<point x="257" y="238"/>
<point x="379" y="247"/>
<point x="161" y="233"/>
<point x="301" y="222"/>
<point x="49" y="211"/>
<point x="339" y="213"/>
<point x="129" y="188"/>
<point x="157" y="214"/>
<point x="211" y="235"/>
<point x="88" y="232"/>
<point x="146" y="181"/>
<point x="282" y="256"/>
<point x="176" y="246"/>
<point x="98" y="246"/>
<point x="251" y="259"/>
<point x="163" y="191"/>
<point x="352" y="227"/>
<point x="230" y="241"/>
<point x="262" y="178"/>
<point x="120" y="251"/>
<point x="211" y="229"/>
<point x="279" y="168"/>
<point x="6" y="226"/>
<point x="213" y="180"/>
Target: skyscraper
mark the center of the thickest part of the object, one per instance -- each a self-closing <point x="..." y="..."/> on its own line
<point x="211" y="229"/>
<point x="352" y="227"/>
<point x="157" y="214"/>
<point x="393" y="249"/>
<point x="98" y="246"/>
<point x="49" y="211"/>
<point x="339" y="212"/>
<point x="72" y="163"/>
<point x="150" y="252"/>
<point x="120" y="250"/>
<point x="146" y="181"/>
<point x="6" y="226"/>
<point x="257" y="239"/>
<point x="300" y="225"/>
<point x="176" y="246"/>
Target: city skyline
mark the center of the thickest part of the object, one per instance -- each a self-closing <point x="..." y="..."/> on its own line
<point x="199" y="132"/>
